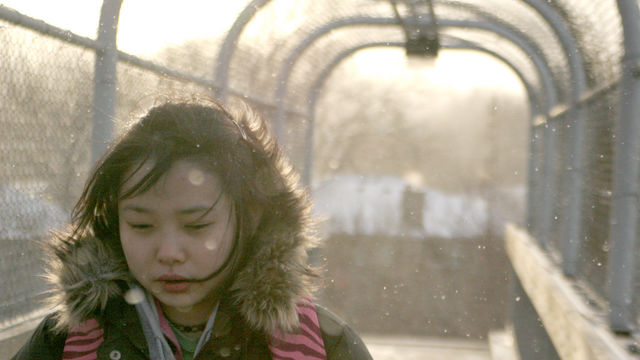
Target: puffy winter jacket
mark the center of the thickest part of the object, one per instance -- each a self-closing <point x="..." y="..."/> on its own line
<point x="264" y="294"/>
<point x="231" y="338"/>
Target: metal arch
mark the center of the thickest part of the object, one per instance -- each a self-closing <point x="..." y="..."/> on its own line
<point x="549" y="139"/>
<point x="624" y="208"/>
<point x="577" y="117"/>
<point x="229" y="46"/>
<point x="291" y="60"/>
<point x="543" y="217"/>
<point x="492" y="18"/>
<point x="326" y="72"/>
<point x="571" y="49"/>
<point x="578" y="86"/>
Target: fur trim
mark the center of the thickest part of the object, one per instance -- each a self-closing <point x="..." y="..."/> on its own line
<point x="84" y="274"/>
<point x="274" y="275"/>
<point x="269" y="288"/>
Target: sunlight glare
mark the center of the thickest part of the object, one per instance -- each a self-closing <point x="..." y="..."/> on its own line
<point x="145" y="26"/>
<point x="82" y="20"/>
<point x="455" y="69"/>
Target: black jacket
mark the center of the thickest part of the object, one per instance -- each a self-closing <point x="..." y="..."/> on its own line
<point x="89" y="279"/>
<point x="231" y="338"/>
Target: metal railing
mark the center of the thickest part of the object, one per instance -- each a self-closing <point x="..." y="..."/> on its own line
<point x="583" y="179"/>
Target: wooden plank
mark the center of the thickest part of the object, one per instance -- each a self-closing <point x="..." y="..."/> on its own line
<point x="502" y="345"/>
<point x="575" y="329"/>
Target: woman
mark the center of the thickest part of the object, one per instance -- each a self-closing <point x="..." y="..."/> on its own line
<point x="189" y="242"/>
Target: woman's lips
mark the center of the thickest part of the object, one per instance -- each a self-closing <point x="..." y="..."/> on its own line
<point x="175" y="286"/>
<point x="174" y="283"/>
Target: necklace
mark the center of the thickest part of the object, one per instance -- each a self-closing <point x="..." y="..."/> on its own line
<point x="187" y="328"/>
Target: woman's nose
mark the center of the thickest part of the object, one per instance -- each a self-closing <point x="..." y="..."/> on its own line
<point x="171" y="248"/>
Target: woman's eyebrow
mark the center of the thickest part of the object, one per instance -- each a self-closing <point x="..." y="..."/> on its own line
<point x="136" y="208"/>
<point x="204" y="209"/>
<point x="195" y="209"/>
<point x="185" y="211"/>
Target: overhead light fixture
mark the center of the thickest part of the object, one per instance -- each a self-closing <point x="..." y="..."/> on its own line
<point x="422" y="38"/>
<point x="424" y="45"/>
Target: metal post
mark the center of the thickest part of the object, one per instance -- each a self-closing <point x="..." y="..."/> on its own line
<point x="104" y="86"/>
<point x="624" y="208"/>
<point x="571" y="244"/>
<point x="229" y="46"/>
<point x="532" y="172"/>
<point x="548" y="184"/>
<point x="40" y="26"/>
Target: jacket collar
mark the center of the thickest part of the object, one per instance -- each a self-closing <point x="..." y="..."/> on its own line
<point x="230" y="336"/>
<point x="86" y="275"/>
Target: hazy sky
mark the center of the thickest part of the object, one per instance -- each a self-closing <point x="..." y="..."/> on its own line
<point x="147" y="26"/>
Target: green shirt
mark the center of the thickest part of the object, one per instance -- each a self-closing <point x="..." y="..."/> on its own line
<point x="187" y="343"/>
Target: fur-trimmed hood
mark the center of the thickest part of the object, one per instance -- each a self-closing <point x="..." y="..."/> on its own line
<point x="85" y="274"/>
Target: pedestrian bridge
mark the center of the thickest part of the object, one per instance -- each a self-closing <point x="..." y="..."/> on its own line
<point x="475" y="163"/>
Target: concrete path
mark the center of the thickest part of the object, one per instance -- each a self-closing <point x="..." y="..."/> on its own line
<point x="409" y="348"/>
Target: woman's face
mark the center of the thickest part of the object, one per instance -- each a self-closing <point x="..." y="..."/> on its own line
<point x="174" y="237"/>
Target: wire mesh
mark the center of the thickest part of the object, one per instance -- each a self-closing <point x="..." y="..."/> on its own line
<point x="597" y="194"/>
<point x="560" y="165"/>
<point x="536" y="162"/>
<point x="139" y="89"/>
<point x="45" y="120"/>
<point x="46" y="84"/>
<point x="596" y="25"/>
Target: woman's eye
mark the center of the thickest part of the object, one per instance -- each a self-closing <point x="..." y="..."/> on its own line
<point x="140" y="226"/>
<point x="198" y="226"/>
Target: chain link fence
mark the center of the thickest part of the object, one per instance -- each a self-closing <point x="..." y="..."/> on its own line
<point x="46" y="112"/>
<point x="45" y="116"/>
<point x="597" y="28"/>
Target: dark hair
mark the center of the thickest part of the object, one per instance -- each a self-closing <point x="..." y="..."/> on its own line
<point x="235" y="145"/>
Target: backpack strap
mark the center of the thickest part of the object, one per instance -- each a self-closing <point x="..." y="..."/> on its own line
<point x="83" y="341"/>
<point x="305" y="343"/>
